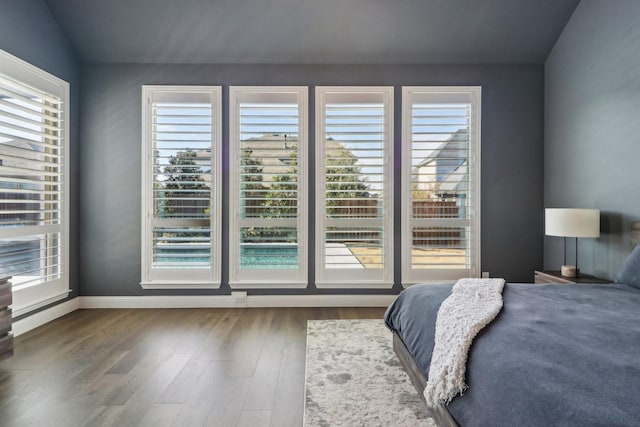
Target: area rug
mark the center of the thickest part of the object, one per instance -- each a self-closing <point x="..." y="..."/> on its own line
<point x="353" y="377"/>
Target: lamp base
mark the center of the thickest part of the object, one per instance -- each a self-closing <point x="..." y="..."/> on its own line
<point x="569" y="271"/>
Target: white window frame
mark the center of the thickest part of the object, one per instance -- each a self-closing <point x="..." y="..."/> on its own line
<point x="187" y="278"/>
<point x="350" y="277"/>
<point x="410" y="275"/>
<point x="31" y="296"/>
<point x="267" y="278"/>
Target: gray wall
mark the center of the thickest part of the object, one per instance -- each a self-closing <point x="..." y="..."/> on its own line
<point x="592" y="129"/>
<point x="29" y="31"/>
<point x="512" y="153"/>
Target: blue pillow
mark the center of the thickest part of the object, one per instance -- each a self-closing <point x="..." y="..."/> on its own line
<point x="629" y="273"/>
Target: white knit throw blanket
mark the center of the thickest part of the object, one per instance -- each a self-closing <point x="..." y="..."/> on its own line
<point x="473" y="303"/>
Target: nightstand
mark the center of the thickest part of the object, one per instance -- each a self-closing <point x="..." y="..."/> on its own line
<point x="555" y="277"/>
<point x="6" y="337"/>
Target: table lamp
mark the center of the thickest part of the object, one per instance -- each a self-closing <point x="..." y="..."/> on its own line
<point x="574" y="223"/>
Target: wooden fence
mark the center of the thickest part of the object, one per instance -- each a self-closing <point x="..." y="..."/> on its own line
<point x="437" y="237"/>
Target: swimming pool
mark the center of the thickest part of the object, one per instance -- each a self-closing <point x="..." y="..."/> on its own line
<point x="252" y="255"/>
<point x="269" y="255"/>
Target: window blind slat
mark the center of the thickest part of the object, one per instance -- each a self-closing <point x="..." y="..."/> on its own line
<point x="8" y="117"/>
<point x="30" y="99"/>
<point x="28" y="113"/>
<point x="268" y="139"/>
<point x="41" y="145"/>
<point x="17" y="171"/>
<point x="22" y="152"/>
<point x="354" y="125"/>
<point x="32" y="181"/>
<point x="31" y="185"/>
<point x="181" y="241"/>
<point x="28" y="163"/>
<point x="440" y="143"/>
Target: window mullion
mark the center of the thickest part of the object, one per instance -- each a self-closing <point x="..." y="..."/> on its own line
<point x="33" y="183"/>
<point x="354" y="231"/>
<point x="268" y="141"/>
<point x="441" y="182"/>
<point x="181" y="182"/>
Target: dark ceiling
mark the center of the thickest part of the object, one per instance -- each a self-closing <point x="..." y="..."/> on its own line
<point x="313" y="31"/>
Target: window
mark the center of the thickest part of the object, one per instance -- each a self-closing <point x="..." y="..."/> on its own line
<point x="268" y="218"/>
<point x="354" y="220"/>
<point x="181" y="186"/>
<point x="33" y="183"/>
<point x="440" y="183"/>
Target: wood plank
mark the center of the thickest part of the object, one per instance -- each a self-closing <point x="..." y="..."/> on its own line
<point x="265" y="376"/>
<point x="142" y="401"/>
<point x="204" y="396"/>
<point x="162" y="415"/>
<point x="181" y="367"/>
<point x="211" y="347"/>
<point x="243" y="345"/>
<point x="6" y="338"/>
<point x="5" y="321"/>
<point x="103" y="416"/>
<point x="288" y="406"/>
<point x="6" y="346"/>
<point x="226" y="411"/>
<point x="6" y="295"/>
<point x="47" y="343"/>
<point x="254" y="419"/>
<point x="179" y="390"/>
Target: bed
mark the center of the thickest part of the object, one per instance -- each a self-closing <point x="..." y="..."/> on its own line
<point x="554" y="355"/>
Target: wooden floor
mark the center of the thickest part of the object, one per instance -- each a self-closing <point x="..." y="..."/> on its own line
<point x="182" y="367"/>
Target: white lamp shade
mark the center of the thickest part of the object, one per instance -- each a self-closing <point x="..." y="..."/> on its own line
<point x="572" y="222"/>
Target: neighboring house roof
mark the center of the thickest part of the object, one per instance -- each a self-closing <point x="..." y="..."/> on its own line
<point x="276" y="153"/>
<point x="449" y="148"/>
<point x="15" y="149"/>
<point x="450" y="162"/>
<point x="457" y="182"/>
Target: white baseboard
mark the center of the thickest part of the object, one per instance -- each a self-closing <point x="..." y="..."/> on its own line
<point x="226" y="301"/>
<point x="320" y="300"/>
<point x="45" y="316"/>
<point x="197" y="301"/>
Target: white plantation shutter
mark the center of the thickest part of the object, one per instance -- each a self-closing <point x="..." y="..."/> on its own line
<point x="33" y="225"/>
<point x="441" y="181"/>
<point x="31" y="183"/>
<point x="268" y="139"/>
<point x="181" y="216"/>
<point x="354" y="186"/>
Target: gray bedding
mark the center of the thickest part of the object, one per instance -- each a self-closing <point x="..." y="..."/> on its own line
<point x="562" y="355"/>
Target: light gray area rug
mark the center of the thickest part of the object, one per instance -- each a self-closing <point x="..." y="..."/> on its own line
<point x="353" y="377"/>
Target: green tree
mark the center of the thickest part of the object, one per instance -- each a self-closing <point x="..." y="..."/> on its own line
<point x="251" y="169"/>
<point x="344" y="180"/>
<point x="184" y="184"/>
<point x="184" y="193"/>
<point x="282" y="197"/>
<point x="251" y="185"/>
<point x="252" y="190"/>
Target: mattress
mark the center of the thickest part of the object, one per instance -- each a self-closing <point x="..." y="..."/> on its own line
<point x="555" y="355"/>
